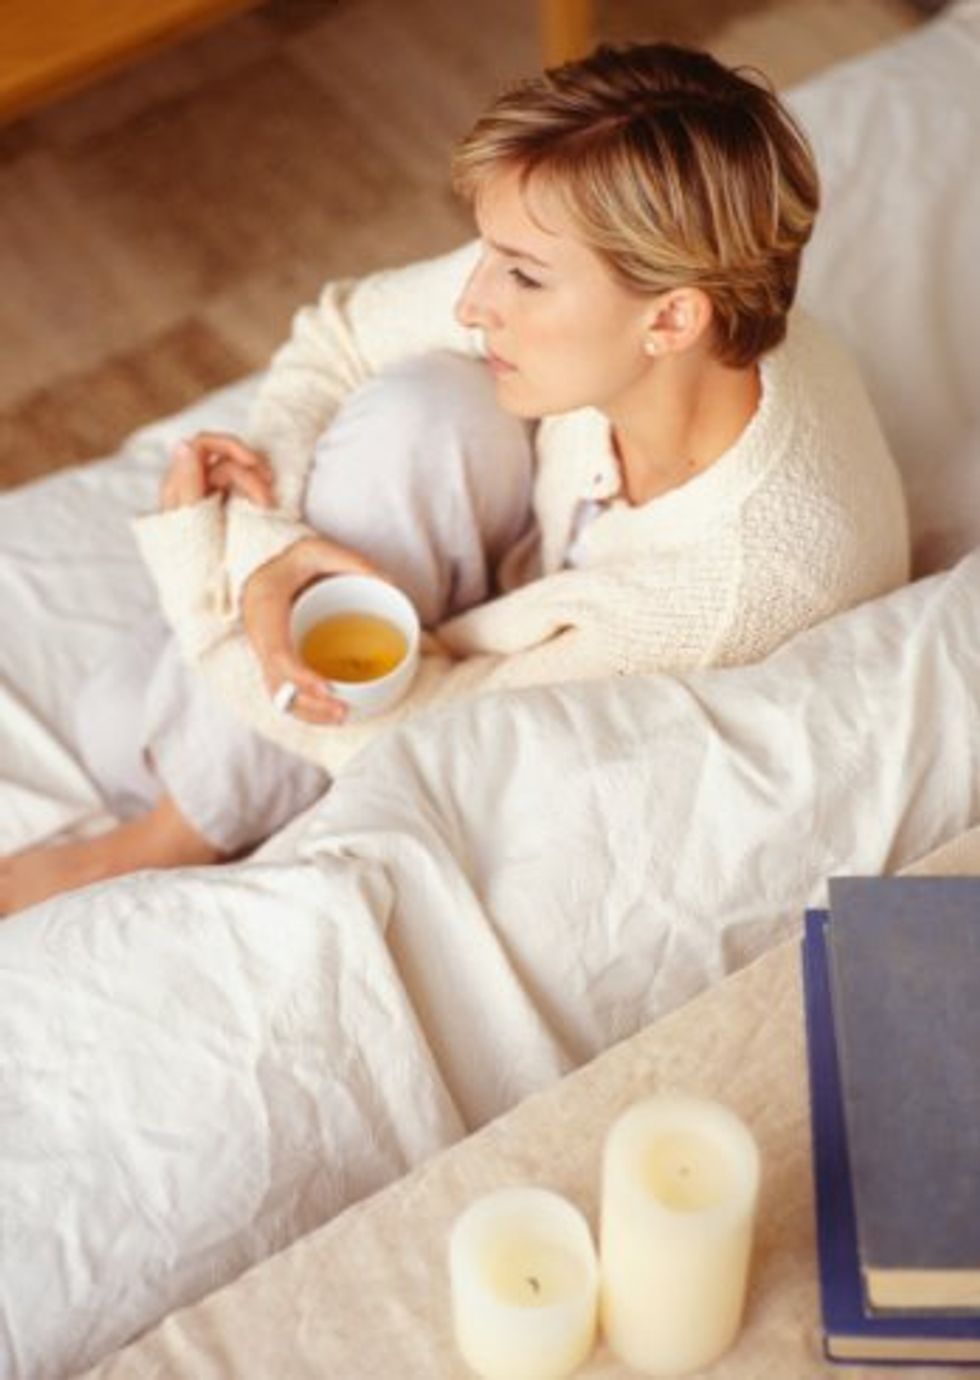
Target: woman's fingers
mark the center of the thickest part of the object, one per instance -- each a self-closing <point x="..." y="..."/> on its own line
<point x="218" y="445"/>
<point x="211" y="463"/>
<point x="184" y="481"/>
<point x="227" y="476"/>
<point x="318" y="707"/>
<point x="298" y="691"/>
<point x="233" y="467"/>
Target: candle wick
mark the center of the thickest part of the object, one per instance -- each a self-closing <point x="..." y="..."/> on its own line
<point x="534" y="1283"/>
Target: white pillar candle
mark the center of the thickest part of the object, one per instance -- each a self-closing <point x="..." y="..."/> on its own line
<point x="524" y="1282"/>
<point x="680" y="1181"/>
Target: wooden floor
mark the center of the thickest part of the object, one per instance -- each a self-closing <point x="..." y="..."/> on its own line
<point x="158" y="229"/>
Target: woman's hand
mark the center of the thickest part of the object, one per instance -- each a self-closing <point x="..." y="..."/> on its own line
<point x="211" y="462"/>
<point x="266" y="602"/>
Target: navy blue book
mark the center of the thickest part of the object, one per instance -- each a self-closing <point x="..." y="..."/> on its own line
<point x="905" y="978"/>
<point x="851" y="1334"/>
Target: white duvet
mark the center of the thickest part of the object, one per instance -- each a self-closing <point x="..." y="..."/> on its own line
<point x="196" y="1067"/>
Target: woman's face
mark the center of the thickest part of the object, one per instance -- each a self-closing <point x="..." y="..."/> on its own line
<point x="560" y="331"/>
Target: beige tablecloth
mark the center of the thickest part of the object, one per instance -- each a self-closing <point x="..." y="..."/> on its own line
<point x="366" y="1296"/>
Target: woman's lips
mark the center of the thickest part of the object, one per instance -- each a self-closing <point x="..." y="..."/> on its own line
<point x="498" y="365"/>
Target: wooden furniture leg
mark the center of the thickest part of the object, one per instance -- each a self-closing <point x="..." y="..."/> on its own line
<point x="567" y="29"/>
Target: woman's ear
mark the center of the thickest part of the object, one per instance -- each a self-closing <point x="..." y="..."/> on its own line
<point x="678" y="319"/>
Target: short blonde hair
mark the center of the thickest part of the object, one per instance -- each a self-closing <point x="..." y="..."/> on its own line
<point x="676" y="170"/>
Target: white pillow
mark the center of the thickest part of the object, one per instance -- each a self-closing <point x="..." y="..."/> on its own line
<point x="893" y="262"/>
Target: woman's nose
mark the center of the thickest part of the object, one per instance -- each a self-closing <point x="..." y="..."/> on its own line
<point x="472" y="305"/>
<point x="465" y="314"/>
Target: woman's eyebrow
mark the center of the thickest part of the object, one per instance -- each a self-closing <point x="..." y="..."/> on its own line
<point x="513" y="253"/>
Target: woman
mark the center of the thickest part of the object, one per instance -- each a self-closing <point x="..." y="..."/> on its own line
<point x="708" y="476"/>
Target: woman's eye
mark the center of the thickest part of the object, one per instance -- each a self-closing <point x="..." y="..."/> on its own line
<point x="522" y="280"/>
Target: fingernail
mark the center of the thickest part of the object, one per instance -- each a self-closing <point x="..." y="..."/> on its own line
<point x="182" y="450"/>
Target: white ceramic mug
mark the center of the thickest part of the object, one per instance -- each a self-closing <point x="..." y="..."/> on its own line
<point x="363" y="594"/>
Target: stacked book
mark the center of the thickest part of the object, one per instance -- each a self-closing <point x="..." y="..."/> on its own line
<point x="891" y="977"/>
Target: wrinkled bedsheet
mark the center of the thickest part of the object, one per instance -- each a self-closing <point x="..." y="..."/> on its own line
<point x="197" y="1067"/>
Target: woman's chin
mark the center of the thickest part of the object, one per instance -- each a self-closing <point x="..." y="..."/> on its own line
<point x="515" y="397"/>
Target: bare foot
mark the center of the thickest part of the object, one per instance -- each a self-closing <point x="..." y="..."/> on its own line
<point x="161" y="838"/>
<point x="33" y="876"/>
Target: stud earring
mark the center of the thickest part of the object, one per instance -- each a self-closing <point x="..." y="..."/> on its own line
<point x="651" y="345"/>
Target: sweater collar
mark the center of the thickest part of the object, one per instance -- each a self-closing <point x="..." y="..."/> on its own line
<point x="735" y="473"/>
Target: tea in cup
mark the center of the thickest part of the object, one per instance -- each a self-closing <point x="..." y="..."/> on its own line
<point x="361" y="634"/>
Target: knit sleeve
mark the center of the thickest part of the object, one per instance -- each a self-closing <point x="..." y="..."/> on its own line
<point x="182" y="550"/>
<point x="356" y="329"/>
<point x="660" y="611"/>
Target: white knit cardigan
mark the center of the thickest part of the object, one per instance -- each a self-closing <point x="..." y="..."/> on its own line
<point x="803" y="516"/>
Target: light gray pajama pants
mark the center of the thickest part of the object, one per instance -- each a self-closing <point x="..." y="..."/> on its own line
<point x="422" y="472"/>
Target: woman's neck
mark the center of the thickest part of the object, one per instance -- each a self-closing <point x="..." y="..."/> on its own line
<point x="685" y="414"/>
